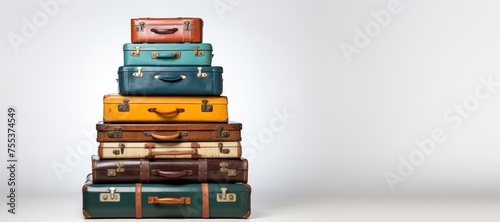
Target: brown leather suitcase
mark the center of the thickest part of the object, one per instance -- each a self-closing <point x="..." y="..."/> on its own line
<point x="175" y="132"/>
<point x="166" y="30"/>
<point x="169" y="171"/>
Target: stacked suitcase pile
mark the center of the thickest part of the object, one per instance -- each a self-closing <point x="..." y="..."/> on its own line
<point x="167" y="149"/>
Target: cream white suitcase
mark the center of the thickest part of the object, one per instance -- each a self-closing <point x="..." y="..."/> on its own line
<point x="170" y="150"/>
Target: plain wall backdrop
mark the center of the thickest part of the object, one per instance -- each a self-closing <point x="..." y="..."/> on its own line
<point x="334" y="96"/>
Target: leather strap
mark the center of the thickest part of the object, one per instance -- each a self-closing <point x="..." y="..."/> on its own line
<point x="206" y="199"/>
<point x="202" y="170"/>
<point x="144" y="171"/>
<point x="138" y="200"/>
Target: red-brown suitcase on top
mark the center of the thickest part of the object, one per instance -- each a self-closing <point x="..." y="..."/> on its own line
<point x="165" y="30"/>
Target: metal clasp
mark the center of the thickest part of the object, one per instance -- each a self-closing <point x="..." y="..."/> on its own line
<point x="188" y="26"/>
<point x="112" y="196"/>
<point x="222" y="150"/>
<point x="117" y="133"/>
<point x="220" y="132"/>
<point x="201" y="74"/>
<point x="138" y="73"/>
<point x="224" y="169"/>
<point x="124" y="107"/>
<point x="140" y="27"/>
<point x="137" y="51"/>
<point x="196" y="52"/>
<point x="205" y="107"/>
<point x="224" y="196"/>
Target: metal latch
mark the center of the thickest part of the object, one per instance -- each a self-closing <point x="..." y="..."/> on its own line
<point x="121" y="150"/>
<point x="222" y="150"/>
<point x="188" y="26"/>
<point x="124" y="107"/>
<point x="112" y="196"/>
<point x="220" y="132"/>
<point x="197" y="52"/>
<point x="205" y="107"/>
<point x="120" y="169"/>
<point x="224" y="169"/>
<point x="117" y="133"/>
<point x="201" y="74"/>
<point x="224" y="196"/>
<point x="138" y="73"/>
<point x="140" y="27"/>
<point x="137" y="51"/>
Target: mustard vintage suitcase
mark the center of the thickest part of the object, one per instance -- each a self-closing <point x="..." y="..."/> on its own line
<point x="164" y="109"/>
<point x="169" y="150"/>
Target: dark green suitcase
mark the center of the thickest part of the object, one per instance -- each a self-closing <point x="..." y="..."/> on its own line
<point x="194" y="200"/>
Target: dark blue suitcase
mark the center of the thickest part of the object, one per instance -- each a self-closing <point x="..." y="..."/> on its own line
<point x="169" y="80"/>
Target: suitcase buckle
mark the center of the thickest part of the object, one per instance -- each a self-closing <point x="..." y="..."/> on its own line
<point x="205" y="107"/>
<point x="140" y="27"/>
<point x="124" y="107"/>
<point x="116" y="133"/>
<point x="225" y="197"/>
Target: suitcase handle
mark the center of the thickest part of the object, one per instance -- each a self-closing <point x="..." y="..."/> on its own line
<point x="166" y="137"/>
<point x="164" y="31"/>
<point x="182" y="200"/>
<point x="193" y="152"/>
<point x="172" y="174"/>
<point x="169" y="113"/>
<point x="170" y="78"/>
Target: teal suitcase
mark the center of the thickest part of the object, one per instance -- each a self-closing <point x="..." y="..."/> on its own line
<point x="169" y="80"/>
<point x="193" y="200"/>
<point x="196" y="54"/>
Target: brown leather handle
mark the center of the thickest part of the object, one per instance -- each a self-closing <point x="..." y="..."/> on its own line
<point x="181" y="200"/>
<point x="166" y="137"/>
<point x="172" y="174"/>
<point x="169" y="113"/>
<point x="164" y="31"/>
<point x="174" y="152"/>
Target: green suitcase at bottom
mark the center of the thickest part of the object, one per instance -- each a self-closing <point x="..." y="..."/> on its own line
<point x="196" y="200"/>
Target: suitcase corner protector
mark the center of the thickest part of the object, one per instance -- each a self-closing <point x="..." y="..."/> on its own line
<point x="86" y="214"/>
<point x="247" y="214"/>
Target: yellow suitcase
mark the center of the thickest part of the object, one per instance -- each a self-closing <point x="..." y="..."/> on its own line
<point x="164" y="109"/>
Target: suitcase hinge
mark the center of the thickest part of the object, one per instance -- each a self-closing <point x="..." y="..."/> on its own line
<point x="224" y="196"/>
<point x="188" y="26"/>
<point x="220" y="132"/>
<point x="140" y="27"/>
<point x="201" y="74"/>
<point x="224" y="169"/>
<point x="124" y="107"/>
<point x="112" y="196"/>
<point x="117" y="133"/>
<point x="222" y="150"/>
<point x="197" y="52"/>
<point x="137" y="51"/>
<point x="205" y="107"/>
<point x="120" y="168"/>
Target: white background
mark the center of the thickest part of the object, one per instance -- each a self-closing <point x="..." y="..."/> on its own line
<point x="354" y="116"/>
